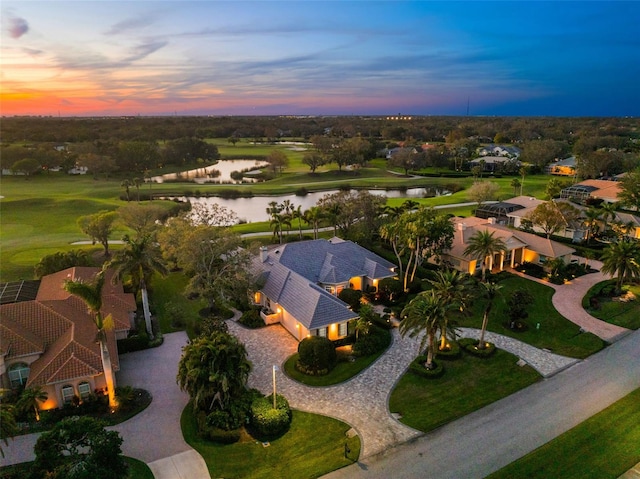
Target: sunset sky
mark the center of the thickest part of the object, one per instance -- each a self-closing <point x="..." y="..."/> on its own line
<point x="320" y="58"/>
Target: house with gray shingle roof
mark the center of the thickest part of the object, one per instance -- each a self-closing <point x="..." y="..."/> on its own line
<point x="49" y="341"/>
<point x="302" y="281"/>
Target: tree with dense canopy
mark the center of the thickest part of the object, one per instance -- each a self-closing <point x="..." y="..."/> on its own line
<point x="483" y="245"/>
<point x="80" y="448"/>
<point x="553" y="216"/>
<point x="630" y="194"/>
<point x="622" y="260"/>
<point x="98" y="227"/>
<point x="213" y="369"/>
<point x="55" y="262"/>
<point x="91" y="295"/>
<point x="481" y="191"/>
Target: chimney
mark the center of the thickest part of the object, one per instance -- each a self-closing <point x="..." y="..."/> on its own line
<point x="263" y="253"/>
<point x="462" y="228"/>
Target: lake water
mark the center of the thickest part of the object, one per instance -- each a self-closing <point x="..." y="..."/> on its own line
<point x="225" y="167"/>
<point x="254" y="209"/>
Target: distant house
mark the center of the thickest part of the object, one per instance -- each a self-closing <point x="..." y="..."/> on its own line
<point x="499" y="150"/>
<point x="302" y="281"/>
<point x="394" y="151"/>
<point x="605" y="190"/>
<point x="566" y="167"/>
<point x="521" y="247"/>
<point x="49" y="341"/>
<point x="495" y="163"/>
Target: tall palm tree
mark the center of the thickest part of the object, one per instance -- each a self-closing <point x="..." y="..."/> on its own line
<point x="490" y="293"/>
<point x="126" y="184"/>
<point x="425" y="314"/>
<point x="392" y="231"/>
<point x="591" y="218"/>
<point x="313" y="216"/>
<point x="139" y="259"/>
<point x="622" y="259"/>
<point x="515" y="184"/>
<point x="91" y="295"/>
<point x="30" y="399"/>
<point x="273" y="210"/>
<point x="299" y="216"/>
<point x="607" y="212"/>
<point x="453" y="288"/>
<point x="482" y="245"/>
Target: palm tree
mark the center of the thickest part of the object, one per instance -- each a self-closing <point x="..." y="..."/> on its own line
<point x="137" y="182"/>
<point x="289" y="209"/>
<point x="273" y="210"/>
<point x="126" y="184"/>
<point x="607" y="212"/>
<point x="410" y="205"/>
<point x="8" y="425"/>
<point x="491" y="291"/>
<point x="622" y="259"/>
<point x="91" y="295"/>
<point x="482" y="245"/>
<point x="592" y="216"/>
<point x="139" y="259"/>
<point x="424" y="314"/>
<point x="30" y="399"/>
<point x="393" y="233"/>
<point x="213" y="369"/>
<point x="515" y="184"/>
<point x="298" y="214"/>
<point x="452" y="286"/>
<point x="313" y="216"/>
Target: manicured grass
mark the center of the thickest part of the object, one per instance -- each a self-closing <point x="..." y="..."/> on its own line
<point x="313" y="446"/>
<point x="626" y="315"/>
<point x="138" y="469"/>
<point x="556" y="333"/>
<point x="170" y="289"/>
<point x="468" y="384"/>
<point x="343" y="371"/>
<point x="603" y="447"/>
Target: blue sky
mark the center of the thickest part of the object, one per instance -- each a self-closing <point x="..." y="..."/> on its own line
<point x="320" y="57"/>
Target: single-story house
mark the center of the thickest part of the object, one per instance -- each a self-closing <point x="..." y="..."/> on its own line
<point x="301" y="282"/>
<point x="495" y="163"/>
<point x="505" y="211"/>
<point x="605" y="190"/>
<point x="521" y="246"/>
<point x="50" y="341"/>
<point x="499" y="150"/>
<point x="565" y="167"/>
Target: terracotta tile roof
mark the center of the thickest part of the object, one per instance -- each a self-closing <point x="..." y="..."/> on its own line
<point x="59" y="326"/>
<point x="605" y="189"/>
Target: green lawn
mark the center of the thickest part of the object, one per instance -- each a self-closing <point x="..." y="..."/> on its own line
<point x="343" y="371"/>
<point x="603" y="447"/>
<point x="555" y="333"/>
<point x="138" y="469"/>
<point x="314" y="446"/>
<point x="626" y="315"/>
<point x="468" y="384"/>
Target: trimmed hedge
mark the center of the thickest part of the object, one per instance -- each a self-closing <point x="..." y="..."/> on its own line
<point x="252" y="319"/>
<point x="268" y="422"/>
<point x="212" y="433"/>
<point x="454" y="352"/>
<point x="417" y="367"/>
<point x="470" y="345"/>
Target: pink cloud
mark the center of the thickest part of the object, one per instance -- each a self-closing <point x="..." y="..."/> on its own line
<point x="16" y="26"/>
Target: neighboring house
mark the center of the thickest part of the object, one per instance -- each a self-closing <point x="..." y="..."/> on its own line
<point x="495" y="163"/>
<point x="631" y="224"/>
<point x="499" y="150"/>
<point x="506" y="212"/>
<point x="605" y="190"/>
<point x="50" y="341"/>
<point x="302" y="281"/>
<point x="566" y="167"/>
<point x="394" y="151"/>
<point x="521" y="246"/>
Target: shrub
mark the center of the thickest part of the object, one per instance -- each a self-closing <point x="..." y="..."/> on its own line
<point x="451" y="353"/>
<point x="177" y="315"/>
<point x="252" y="319"/>
<point x="378" y="339"/>
<point x="212" y="433"/>
<point x="471" y="346"/>
<point x="352" y="297"/>
<point x="268" y="422"/>
<point x="417" y="367"/>
<point x="317" y="353"/>
<point x="133" y="343"/>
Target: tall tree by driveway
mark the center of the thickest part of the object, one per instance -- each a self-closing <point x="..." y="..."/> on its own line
<point x="622" y="260"/>
<point x="483" y="245"/>
<point x="425" y="315"/>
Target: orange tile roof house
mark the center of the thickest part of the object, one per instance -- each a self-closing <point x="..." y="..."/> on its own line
<point x="50" y="342"/>
<point x="605" y="190"/>
<point x="521" y="246"/>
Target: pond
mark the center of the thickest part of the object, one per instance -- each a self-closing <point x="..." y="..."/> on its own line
<point x="224" y="168"/>
<point x="254" y="209"/>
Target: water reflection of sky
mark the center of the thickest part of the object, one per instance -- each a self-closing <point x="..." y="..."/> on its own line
<point x="254" y="209"/>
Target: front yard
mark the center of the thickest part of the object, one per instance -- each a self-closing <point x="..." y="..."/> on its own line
<point x="601" y="303"/>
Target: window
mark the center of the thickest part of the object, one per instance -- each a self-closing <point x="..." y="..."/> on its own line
<point x="329" y="289"/>
<point x="18" y="374"/>
<point x="322" y="332"/>
<point x="84" y="389"/>
<point x="342" y="329"/>
<point x="67" y="394"/>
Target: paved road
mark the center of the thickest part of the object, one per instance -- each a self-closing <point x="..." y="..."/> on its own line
<point x="489" y="439"/>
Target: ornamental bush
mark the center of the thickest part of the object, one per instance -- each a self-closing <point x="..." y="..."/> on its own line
<point x="376" y="340"/>
<point x="268" y="422"/>
<point x="252" y="319"/>
<point x="470" y="345"/>
<point x="417" y="367"/>
<point x="316" y="354"/>
<point x="352" y="297"/>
